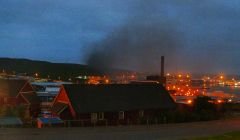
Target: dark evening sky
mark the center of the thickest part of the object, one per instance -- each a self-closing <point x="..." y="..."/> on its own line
<point x="194" y="35"/>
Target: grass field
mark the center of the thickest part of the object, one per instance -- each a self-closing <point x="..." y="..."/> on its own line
<point x="226" y="136"/>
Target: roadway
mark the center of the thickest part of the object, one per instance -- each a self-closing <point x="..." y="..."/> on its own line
<point x="151" y="132"/>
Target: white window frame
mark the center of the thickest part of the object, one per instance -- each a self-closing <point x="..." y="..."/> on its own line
<point x="101" y="116"/>
<point x="94" y="116"/>
<point x="121" y="115"/>
<point x="5" y="100"/>
<point x="141" y="113"/>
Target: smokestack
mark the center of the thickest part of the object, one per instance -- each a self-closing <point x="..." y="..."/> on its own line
<point x="162" y="66"/>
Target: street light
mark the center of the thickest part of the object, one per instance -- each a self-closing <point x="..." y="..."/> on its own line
<point x="36" y="74"/>
<point x="221" y="77"/>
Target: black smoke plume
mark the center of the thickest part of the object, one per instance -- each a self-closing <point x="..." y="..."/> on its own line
<point x="139" y="44"/>
<point x="136" y="46"/>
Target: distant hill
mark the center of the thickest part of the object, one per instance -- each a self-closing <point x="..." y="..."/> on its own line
<point x="45" y="69"/>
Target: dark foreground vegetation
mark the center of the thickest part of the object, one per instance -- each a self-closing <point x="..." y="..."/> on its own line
<point x="202" y="109"/>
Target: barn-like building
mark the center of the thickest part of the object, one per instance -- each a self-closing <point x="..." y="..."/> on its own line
<point x="111" y="103"/>
<point x="14" y="92"/>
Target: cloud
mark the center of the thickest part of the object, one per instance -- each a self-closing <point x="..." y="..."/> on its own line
<point x="67" y="31"/>
<point x="204" y="38"/>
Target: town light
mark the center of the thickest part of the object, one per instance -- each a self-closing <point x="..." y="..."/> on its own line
<point x="219" y="101"/>
<point x="189" y="101"/>
<point x="107" y="81"/>
<point x="36" y="74"/>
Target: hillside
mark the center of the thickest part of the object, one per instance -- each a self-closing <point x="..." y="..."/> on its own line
<point x="44" y="68"/>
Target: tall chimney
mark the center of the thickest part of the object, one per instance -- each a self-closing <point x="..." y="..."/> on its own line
<point x="162" y="66"/>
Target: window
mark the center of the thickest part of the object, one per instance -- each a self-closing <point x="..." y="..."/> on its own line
<point x="121" y="115"/>
<point x="5" y="100"/>
<point x="101" y="116"/>
<point x="94" y="116"/>
<point x="141" y="113"/>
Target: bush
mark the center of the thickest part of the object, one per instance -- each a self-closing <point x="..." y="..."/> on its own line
<point x="201" y="110"/>
<point x="14" y="111"/>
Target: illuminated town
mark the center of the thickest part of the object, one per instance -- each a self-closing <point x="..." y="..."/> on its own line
<point x="114" y="99"/>
<point x="183" y="88"/>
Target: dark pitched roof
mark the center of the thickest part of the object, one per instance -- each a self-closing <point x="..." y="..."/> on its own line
<point x="31" y="97"/>
<point x="118" y="97"/>
<point x="11" y="87"/>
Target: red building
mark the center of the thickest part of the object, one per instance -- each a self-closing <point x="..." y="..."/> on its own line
<point x="111" y="103"/>
<point x="14" y="92"/>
